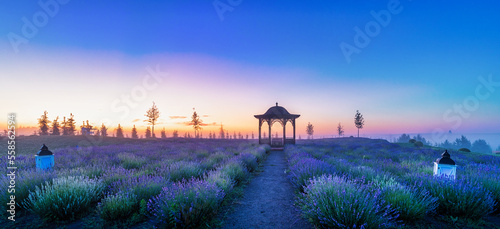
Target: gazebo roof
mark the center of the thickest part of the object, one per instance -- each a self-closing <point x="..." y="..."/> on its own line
<point x="277" y="112"/>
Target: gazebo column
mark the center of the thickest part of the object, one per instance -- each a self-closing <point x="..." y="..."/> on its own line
<point x="293" y="124"/>
<point x="284" y="131"/>
<point x="269" y="122"/>
<point x="260" y="128"/>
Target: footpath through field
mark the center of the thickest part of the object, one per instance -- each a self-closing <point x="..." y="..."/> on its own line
<point x="268" y="200"/>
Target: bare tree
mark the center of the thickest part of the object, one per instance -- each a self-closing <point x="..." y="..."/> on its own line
<point x="340" y="130"/>
<point x="310" y="130"/>
<point x="43" y="123"/>
<point x="359" y="121"/>
<point x="152" y="114"/>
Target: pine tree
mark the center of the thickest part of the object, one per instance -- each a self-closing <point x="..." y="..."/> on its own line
<point x="119" y="132"/>
<point x="43" y="123"/>
<point x="134" y="133"/>
<point x="71" y="124"/>
<point x="64" y="126"/>
<point x="163" y="133"/>
<point x="175" y="134"/>
<point x="148" y="132"/>
<point x="221" y="132"/>
<point x="55" y="127"/>
<point x="359" y="121"/>
<point x="104" y="130"/>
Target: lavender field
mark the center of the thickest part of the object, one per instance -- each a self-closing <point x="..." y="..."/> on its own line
<point x="364" y="183"/>
<point x="184" y="183"/>
<point x="124" y="183"/>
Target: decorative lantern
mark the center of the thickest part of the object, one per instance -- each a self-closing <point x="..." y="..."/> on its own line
<point x="445" y="166"/>
<point x="44" y="159"/>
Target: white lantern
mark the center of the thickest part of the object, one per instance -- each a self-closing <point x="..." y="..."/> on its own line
<point x="44" y="159"/>
<point x="445" y="166"/>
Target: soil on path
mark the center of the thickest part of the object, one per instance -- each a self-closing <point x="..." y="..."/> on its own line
<point x="268" y="200"/>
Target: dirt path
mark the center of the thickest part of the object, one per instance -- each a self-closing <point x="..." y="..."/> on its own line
<point x="268" y="200"/>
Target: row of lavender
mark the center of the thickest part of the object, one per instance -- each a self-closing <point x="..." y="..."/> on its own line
<point x="374" y="184"/>
<point x="174" y="184"/>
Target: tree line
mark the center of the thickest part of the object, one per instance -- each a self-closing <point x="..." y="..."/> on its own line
<point x="68" y="127"/>
<point x="359" y="122"/>
<point x="461" y="143"/>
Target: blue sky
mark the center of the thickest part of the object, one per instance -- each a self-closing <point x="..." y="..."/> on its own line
<point x="426" y="59"/>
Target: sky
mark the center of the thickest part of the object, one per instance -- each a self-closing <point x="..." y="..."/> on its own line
<point x="407" y="66"/>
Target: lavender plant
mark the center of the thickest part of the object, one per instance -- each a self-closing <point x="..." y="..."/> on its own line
<point x="186" y="204"/>
<point x="334" y="202"/>
<point x="65" y="198"/>
<point x="117" y="206"/>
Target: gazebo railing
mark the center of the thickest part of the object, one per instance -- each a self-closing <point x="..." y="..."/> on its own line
<point x="277" y="141"/>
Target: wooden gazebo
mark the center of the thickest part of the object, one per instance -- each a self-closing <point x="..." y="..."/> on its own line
<point x="281" y="115"/>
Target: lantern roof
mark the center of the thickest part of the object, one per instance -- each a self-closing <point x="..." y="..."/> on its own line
<point x="277" y="112"/>
<point x="44" y="151"/>
<point x="445" y="159"/>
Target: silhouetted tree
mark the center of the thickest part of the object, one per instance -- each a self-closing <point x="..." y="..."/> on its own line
<point x="85" y="129"/>
<point x="446" y="144"/>
<point x="252" y="135"/>
<point x="148" y="132"/>
<point x="498" y="148"/>
<point x="55" y="127"/>
<point x="310" y="130"/>
<point x="340" y="130"/>
<point x="264" y="134"/>
<point x="64" y="127"/>
<point x="419" y="138"/>
<point x="119" y="131"/>
<point x="152" y="114"/>
<point x="196" y="122"/>
<point x="104" y="130"/>
<point x="234" y="135"/>
<point x="359" y="121"/>
<point x="404" y="138"/>
<point x="221" y="132"/>
<point x="247" y="137"/>
<point x="163" y="133"/>
<point x="134" y="133"/>
<point x="175" y="134"/>
<point x="462" y="142"/>
<point x="43" y="123"/>
<point x="71" y="124"/>
<point x="480" y="146"/>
